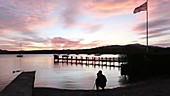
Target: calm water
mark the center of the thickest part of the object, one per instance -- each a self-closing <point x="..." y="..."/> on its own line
<point x="48" y="74"/>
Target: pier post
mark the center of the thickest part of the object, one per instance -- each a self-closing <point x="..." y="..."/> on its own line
<point x="81" y="60"/>
<point x="67" y="60"/>
<point x="99" y="61"/>
<point x="76" y="59"/>
<point x="86" y="60"/>
<point x="62" y="59"/>
<point x="113" y="59"/>
<point x="94" y="61"/>
<point x="110" y="60"/>
<point x="56" y="57"/>
<point x="71" y="58"/>
<point x="102" y="61"/>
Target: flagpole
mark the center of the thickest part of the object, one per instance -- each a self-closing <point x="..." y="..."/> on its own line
<point x="147" y="43"/>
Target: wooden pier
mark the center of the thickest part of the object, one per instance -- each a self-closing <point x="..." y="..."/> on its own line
<point x="95" y="61"/>
<point x="22" y="85"/>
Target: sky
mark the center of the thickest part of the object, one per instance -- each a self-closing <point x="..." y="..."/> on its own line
<point x="81" y="24"/>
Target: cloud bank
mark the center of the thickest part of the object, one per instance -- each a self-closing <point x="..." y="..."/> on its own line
<point x="21" y="20"/>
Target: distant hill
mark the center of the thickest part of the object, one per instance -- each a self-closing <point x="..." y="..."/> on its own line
<point x="111" y="49"/>
<point x="124" y="49"/>
<point x="3" y="51"/>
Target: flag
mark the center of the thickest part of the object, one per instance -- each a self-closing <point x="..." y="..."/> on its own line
<point x="142" y="7"/>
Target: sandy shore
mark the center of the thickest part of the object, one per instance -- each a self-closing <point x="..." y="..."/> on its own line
<point x="152" y="87"/>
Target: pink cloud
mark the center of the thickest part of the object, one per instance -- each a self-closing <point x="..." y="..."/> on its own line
<point x="156" y="25"/>
<point x="25" y="15"/>
<point x="9" y="45"/>
<point x="156" y="35"/>
<point x="97" y="8"/>
<point x="93" y="28"/>
<point x="62" y="43"/>
<point x="163" y="43"/>
<point x="70" y="12"/>
<point x="158" y="20"/>
<point x="107" y="8"/>
<point x="28" y="39"/>
<point x="19" y="19"/>
<point x="89" y="27"/>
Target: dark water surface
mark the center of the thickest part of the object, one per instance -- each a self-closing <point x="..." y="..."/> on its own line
<point x="49" y="74"/>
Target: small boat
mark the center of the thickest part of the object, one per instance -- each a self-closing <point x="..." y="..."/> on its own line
<point x="97" y="54"/>
<point x="20" y="55"/>
<point x="17" y="71"/>
<point x="65" y="55"/>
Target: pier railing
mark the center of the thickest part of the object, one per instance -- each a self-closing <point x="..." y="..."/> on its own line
<point x="96" y="61"/>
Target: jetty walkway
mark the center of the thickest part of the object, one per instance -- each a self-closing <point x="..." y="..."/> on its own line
<point x="22" y="85"/>
<point x="94" y="61"/>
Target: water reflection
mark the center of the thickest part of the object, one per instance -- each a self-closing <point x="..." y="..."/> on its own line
<point x="60" y="75"/>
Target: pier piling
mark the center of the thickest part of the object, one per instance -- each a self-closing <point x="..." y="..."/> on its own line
<point x="94" y="61"/>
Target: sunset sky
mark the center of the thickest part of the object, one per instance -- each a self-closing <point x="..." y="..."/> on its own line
<point x="75" y="24"/>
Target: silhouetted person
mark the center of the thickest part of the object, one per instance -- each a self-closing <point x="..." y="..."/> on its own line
<point x="100" y="80"/>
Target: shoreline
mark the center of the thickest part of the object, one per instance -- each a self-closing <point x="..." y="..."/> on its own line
<point x="151" y="87"/>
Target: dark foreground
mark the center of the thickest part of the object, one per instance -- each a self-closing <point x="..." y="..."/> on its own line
<point x="152" y="87"/>
<point x="22" y="85"/>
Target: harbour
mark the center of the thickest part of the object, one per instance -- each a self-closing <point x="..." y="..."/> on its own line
<point x="57" y="75"/>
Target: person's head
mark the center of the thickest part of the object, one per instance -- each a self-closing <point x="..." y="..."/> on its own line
<point x="100" y="72"/>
